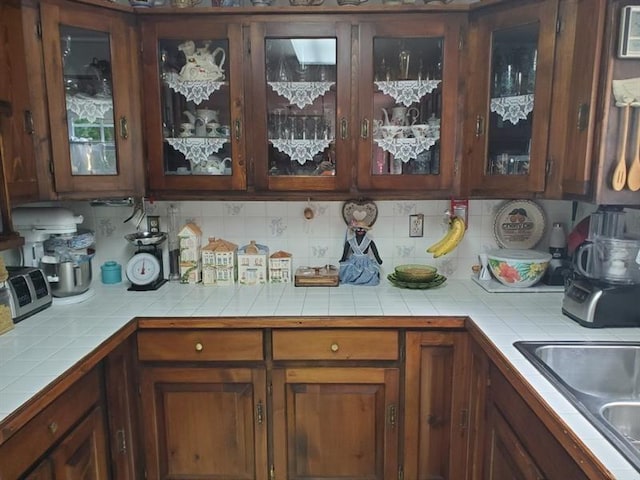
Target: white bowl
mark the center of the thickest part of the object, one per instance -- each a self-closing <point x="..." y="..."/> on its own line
<point x="518" y="268"/>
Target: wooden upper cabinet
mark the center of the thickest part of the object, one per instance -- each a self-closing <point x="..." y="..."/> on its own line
<point x="92" y="81"/>
<point x="511" y="51"/>
<point x="195" y="127"/>
<point x="17" y="129"/>
<point x="407" y="98"/>
<point x="594" y="153"/>
<point x="301" y="135"/>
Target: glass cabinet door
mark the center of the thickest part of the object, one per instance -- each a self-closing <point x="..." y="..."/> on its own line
<point x="90" y="101"/>
<point x="194" y="109"/>
<point x="196" y="123"/>
<point x="86" y="70"/>
<point x="509" y="98"/>
<point x="514" y="53"/>
<point x="301" y="105"/>
<point x="305" y="108"/>
<point x="408" y="105"/>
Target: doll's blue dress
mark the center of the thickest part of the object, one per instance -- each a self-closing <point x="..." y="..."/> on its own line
<point x="359" y="268"/>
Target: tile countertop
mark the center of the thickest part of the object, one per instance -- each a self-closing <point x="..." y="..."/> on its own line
<point x="45" y="345"/>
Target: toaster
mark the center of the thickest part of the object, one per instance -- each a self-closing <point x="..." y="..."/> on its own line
<point x="30" y="291"/>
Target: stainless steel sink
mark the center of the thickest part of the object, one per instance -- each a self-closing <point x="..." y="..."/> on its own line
<point x="602" y="379"/>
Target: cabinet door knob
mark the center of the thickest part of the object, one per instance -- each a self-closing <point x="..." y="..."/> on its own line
<point x="335" y="347"/>
<point x="53" y="427"/>
<point x="199" y="347"/>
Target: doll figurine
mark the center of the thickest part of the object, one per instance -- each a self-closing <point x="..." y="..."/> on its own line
<point x="360" y="262"/>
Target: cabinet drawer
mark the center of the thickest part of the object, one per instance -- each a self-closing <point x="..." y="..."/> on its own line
<point x="206" y="345"/>
<point x="49" y="426"/>
<point x="335" y="344"/>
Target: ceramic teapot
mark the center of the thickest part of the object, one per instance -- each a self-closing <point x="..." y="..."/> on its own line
<point x="201" y="63"/>
<point x="204" y="117"/>
<point x="401" y="116"/>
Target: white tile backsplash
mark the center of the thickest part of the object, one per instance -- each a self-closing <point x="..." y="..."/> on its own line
<point x="282" y="226"/>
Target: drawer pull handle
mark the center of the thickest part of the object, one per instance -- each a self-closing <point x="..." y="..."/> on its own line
<point x="199" y="347"/>
<point x="335" y="347"/>
<point x="53" y="428"/>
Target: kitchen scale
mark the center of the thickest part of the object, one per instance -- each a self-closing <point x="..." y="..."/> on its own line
<point x="144" y="270"/>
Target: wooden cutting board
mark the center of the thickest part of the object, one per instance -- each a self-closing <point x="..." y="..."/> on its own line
<point x="326" y="276"/>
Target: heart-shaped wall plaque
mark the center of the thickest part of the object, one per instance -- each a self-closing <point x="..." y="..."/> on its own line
<point x="362" y="212"/>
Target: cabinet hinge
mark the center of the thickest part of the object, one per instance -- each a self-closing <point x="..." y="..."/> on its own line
<point x="51" y="168"/>
<point x="464" y="418"/>
<point x="392" y="416"/>
<point x="559" y="25"/>
<point x="270" y="389"/>
<point x="548" y="168"/>
<point x="456" y="165"/>
<point x="272" y="472"/>
<point x="260" y="413"/>
<point x="400" y="472"/>
<point x="39" y="29"/>
<point x="121" y="441"/>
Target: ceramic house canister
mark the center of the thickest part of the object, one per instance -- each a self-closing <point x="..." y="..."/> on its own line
<point x="219" y="262"/>
<point x="252" y="264"/>
<point x="190" y="239"/>
<point x="280" y="267"/>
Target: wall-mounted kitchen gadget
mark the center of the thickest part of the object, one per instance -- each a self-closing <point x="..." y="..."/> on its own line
<point x="629" y="45"/>
<point x="144" y="270"/>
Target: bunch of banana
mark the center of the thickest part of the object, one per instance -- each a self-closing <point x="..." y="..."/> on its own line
<point x="450" y="240"/>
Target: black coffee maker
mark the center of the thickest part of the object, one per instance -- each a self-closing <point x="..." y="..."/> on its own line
<point x="603" y="287"/>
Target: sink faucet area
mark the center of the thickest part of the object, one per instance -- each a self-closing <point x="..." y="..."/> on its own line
<point x="601" y="379"/>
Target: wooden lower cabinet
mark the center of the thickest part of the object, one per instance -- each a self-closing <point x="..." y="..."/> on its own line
<point x="508" y="440"/>
<point x="336" y="422"/>
<point x="82" y="454"/>
<point x="436" y="415"/>
<point x="204" y="422"/>
<point x="67" y="440"/>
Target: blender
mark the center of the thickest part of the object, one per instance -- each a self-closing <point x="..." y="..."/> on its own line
<point x="605" y="283"/>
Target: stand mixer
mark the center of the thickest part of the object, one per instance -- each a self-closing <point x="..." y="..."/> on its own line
<point x="604" y="286"/>
<point x="38" y="224"/>
<point x="53" y="244"/>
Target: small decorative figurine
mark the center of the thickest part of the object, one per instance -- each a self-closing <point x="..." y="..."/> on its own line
<point x="219" y="262"/>
<point x="280" y="267"/>
<point x="252" y="264"/>
<point x="360" y="262"/>
<point x="190" y="237"/>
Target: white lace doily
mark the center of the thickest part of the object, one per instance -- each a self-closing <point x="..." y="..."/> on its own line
<point x="301" y="151"/>
<point x="301" y="94"/>
<point x="408" y="91"/>
<point x="197" y="149"/>
<point x="513" y="109"/>
<point x="90" y="108"/>
<point x="196" y="91"/>
<point x="406" y="149"/>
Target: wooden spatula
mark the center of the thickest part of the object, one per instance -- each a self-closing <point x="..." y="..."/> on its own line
<point x="633" y="177"/>
<point x="620" y="173"/>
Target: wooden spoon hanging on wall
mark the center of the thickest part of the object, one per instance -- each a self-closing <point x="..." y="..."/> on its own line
<point x="620" y="173"/>
<point x="633" y="177"/>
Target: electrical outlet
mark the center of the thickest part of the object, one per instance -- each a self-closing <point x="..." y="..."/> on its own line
<point x="416" y="225"/>
<point x="153" y="223"/>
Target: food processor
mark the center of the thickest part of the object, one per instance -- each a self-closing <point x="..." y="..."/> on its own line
<point x="604" y="286"/>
